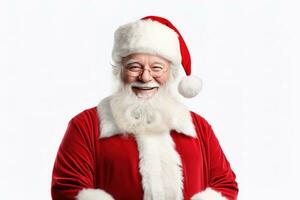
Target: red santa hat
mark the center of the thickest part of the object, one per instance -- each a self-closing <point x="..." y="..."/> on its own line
<point x="158" y="36"/>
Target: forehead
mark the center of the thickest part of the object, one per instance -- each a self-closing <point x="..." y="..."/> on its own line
<point x="144" y="58"/>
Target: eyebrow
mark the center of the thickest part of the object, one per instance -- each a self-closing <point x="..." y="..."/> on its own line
<point x="131" y="61"/>
<point x="157" y="62"/>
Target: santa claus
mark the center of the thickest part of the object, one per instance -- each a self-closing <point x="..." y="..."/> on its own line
<point x="141" y="142"/>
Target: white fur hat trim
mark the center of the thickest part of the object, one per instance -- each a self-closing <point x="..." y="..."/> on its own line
<point x="146" y="36"/>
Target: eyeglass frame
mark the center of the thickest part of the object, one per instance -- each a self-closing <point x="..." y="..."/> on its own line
<point x="143" y="68"/>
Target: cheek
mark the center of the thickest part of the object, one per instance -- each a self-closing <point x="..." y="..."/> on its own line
<point x="163" y="79"/>
<point x="128" y="79"/>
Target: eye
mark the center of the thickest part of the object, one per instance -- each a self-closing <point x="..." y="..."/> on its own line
<point x="156" y="68"/>
<point x="134" y="67"/>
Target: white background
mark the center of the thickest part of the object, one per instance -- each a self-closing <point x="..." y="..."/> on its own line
<point x="54" y="63"/>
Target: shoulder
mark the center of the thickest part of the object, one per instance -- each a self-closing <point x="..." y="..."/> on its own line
<point x="86" y="115"/>
<point x="81" y="132"/>
<point x="85" y="121"/>
<point x="202" y="126"/>
<point x="199" y="120"/>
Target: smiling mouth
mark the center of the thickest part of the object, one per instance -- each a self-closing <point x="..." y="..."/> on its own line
<point x="143" y="88"/>
<point x="144" y="92"/>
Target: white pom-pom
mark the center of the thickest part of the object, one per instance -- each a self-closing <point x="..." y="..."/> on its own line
<point x="190" y="86"/>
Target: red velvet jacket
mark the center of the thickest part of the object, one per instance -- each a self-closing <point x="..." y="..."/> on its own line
<point x="111" y="164"/>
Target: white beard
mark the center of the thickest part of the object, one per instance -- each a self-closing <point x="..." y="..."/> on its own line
<point x="145" y="116"/>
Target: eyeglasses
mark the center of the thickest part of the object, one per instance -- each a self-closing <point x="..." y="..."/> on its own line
<point x="135" y="70"/>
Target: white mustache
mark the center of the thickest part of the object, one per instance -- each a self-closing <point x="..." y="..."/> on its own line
<point x="145" y="85"/>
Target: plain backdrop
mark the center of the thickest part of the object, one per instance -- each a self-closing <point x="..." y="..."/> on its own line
<point x="55" y="62"/>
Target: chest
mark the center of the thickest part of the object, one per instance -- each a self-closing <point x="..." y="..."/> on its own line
<point x="118" y="165"/>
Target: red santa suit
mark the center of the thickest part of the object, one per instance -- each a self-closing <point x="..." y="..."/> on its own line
<point x="165" y="153"/>
<point x="96" y="161"/>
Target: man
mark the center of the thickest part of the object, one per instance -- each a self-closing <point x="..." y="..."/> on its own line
<point x="141" y="142"/>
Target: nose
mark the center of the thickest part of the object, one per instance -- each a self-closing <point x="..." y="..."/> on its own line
<point x="145" y="76"/>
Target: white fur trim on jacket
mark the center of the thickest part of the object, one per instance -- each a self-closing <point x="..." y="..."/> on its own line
<point x="181" y="120"/>
<point x="93" y="194"/>
<point x="160" y="163"/>
<point x="146" y="36"/>
<point x="208" y="194"/>
<point x="160" y="167"/>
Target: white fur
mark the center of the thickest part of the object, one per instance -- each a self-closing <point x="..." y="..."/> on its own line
<point x="190" y="86"/>
<point x="208" y="194"/>
<point x="160" y="167"/>
<point x="93" y="194"/>
<point x="146" y="36"/>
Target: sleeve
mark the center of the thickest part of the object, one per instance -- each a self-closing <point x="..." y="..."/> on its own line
<point x="221" y="178"/>
<point x="74" y="167"/>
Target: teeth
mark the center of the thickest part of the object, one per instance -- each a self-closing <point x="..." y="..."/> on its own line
<point x="144" y="92"/>
<point x="145" y="88"/>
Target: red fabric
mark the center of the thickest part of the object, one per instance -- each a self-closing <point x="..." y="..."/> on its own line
<point x="185" y="54"/>
<point x="111" y="164"/>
